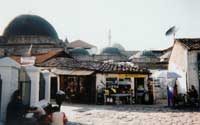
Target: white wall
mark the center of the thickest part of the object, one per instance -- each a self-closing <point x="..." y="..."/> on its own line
<point x="9" y="75"/>
<point x="178" y="63"/>
<point x="193" y="69"/>
<point x="47" y="85"/>
<point x="99" y="79"/>
<point x="9" y="78"/>
<point x="34" y="74"/>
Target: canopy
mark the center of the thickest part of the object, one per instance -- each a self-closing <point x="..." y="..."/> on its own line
<point x="166" y="74"/>
<point x="72" y="72"/>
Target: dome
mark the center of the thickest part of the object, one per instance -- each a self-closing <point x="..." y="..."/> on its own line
<point x="145" y="54"/>
<point x="30" y="25"/>
<point x="119" y="46"/>
<point x="78" y="52"/>
<point x="111" y="51"/>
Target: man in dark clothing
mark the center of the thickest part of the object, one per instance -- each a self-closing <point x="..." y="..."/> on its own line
<point x="15" y="110"/>
<point x="193" y="95"/>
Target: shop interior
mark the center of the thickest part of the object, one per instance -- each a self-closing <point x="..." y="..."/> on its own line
<point x="78" y="89"/>
<point x="124" y="90"/>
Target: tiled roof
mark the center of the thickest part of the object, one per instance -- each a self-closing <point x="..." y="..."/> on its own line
<point x="69" y="63"/>
<point x="43" y="57"/>
<point x="80" y="44"/>
<point x="190" y="43"/>
<point x="119" y="68"/>
<point x="92" y="65"/>
<point x="117" y="58"/>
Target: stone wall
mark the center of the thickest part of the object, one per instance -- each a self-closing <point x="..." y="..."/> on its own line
<point x="40" y="44"/>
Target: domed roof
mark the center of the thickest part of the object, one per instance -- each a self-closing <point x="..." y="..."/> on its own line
<point x="30" y="25"/>
<point x="119" y="46"/>
<point x="111" y="51"/>
<point x="78" y="52"/>
<point x="148" y="54"/>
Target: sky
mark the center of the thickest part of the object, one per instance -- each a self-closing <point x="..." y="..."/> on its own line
<point x="135" y="24"/>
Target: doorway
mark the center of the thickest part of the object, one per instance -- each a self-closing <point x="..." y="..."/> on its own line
<point x="139" y="90"/>
<point x="79" y="89"/>
<point x="54" y="87"/>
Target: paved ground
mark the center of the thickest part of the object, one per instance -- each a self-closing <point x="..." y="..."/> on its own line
<point x="129" y="115"/>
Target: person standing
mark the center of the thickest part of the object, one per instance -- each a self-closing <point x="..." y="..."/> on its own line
<point x="169" y="95"/>
<point x="175" y="94"/>
<point x="15" y="110"/>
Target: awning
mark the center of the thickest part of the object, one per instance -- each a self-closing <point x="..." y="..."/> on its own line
<point x="72" y="72"/>
<point x="81" y="72"/>
<point x="62" y="71"/>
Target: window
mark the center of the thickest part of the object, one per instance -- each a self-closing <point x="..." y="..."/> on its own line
<point x="42" y="87"/>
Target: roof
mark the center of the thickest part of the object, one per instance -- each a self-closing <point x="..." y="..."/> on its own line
<point x="78" y="52"/>
<point x="71" y="64"/>
<point x="7" y="61"/>
<point x="40" y="58"/>
<point x="166" y="55"/>
<point x="119" y="68"/>
<point x="80" y="44"/>
<point x="111" y="51"/>
<point x="30" y="25"/>
<point x="130" y="53"/>
<point x="190" y="43"/>
<point x="145" y="54"/>
<point x="116" y="58"/>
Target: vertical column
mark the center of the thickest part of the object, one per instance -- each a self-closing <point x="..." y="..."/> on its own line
<point x="34" y="74"/>
<point x="145" y="83"/>
<point x="133" y="83"/>
<point x="46" y="75"/>
<point x="58" y="82"/>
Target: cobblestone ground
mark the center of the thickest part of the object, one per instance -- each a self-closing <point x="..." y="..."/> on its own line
<point x="129" y="115"/>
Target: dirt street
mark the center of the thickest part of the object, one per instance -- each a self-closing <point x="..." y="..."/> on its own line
<point x="129" y="115"/>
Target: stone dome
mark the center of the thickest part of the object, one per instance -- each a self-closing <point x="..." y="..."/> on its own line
<point x="30" y="25"/>
<point x="111" y="51"/>
<point x="78" y="52"/>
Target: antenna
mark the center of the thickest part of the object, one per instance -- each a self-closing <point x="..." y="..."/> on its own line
<point x="109" y="37"/>
<point x="171" y="31"/>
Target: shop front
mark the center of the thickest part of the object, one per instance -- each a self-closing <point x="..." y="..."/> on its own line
<point x="121" y="88"/>
<point x="78" y="85"/>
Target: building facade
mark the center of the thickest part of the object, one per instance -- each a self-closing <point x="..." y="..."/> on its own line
<point x="184" y="60"/>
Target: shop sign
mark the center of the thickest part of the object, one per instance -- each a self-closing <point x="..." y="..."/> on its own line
<point x="132" y="75"/>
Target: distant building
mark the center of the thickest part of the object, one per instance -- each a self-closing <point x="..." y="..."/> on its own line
<point x="82" y="44"/>
<point x="185" y="61"/>
<point x="152" y="59"/>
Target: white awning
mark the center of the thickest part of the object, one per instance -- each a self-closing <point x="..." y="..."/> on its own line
<point x="61" y="71"/>
<point x="72" y="72"/>
<point x="81" y="72"/>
